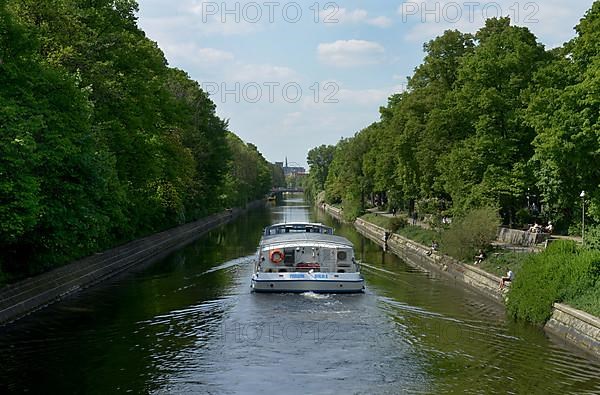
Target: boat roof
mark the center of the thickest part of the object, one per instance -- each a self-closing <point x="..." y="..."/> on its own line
<point x="306" y="239"/>
<point x="297" y="227"/>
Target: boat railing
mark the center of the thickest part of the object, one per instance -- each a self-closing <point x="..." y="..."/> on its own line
<point x="297" y="228"/>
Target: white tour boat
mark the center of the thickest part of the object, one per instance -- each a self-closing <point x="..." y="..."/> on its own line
<point x="303" y="257"/>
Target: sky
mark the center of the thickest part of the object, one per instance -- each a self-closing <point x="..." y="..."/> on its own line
<point x="292" y="75"/>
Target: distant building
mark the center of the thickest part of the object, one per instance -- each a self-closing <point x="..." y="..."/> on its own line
<point x="291" y="170"/>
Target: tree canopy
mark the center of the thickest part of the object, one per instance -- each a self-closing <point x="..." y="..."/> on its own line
<point x="491" y="119"/>
<point x="101" y="141"/>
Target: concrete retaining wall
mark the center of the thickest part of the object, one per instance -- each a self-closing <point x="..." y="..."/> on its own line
<point x="19" y="299"/>
<point x="576" y="326"/>
<point x="520" y="237"/>
<point x="333" y="211"/>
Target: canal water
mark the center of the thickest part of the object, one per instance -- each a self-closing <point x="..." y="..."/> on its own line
<point x="189" y="324"/>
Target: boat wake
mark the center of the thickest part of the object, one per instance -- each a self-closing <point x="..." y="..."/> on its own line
<point x="313" y="295"/>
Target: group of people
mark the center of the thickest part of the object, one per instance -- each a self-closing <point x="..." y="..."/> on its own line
<point x="537" y="228"/>
<point x="505" y="279"/>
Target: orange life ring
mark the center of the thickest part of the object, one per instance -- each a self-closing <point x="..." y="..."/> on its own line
<point x="276" y="256"/>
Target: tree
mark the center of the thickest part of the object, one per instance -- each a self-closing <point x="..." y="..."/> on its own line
<point x="564" y="110"/>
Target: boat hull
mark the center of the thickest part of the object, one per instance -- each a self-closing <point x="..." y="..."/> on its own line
<point x="305" y="282"/>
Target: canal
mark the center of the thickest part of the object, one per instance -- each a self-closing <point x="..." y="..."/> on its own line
<point x="189" y="324"/>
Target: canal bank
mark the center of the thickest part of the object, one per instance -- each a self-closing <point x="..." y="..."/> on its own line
<point x="567" y="323"/>
<point x="29" y="295"/>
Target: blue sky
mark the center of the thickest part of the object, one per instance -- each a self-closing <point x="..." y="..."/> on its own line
<point x="292" y="75"/>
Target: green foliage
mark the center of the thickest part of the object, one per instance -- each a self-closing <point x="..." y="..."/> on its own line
<point x="562" y="273"/>
<point x="101" y="141"/>
<point x="564" y="109"/>
<point x="378" y="220"/>
<point x="497" y="262"/>
<point x="250" y="175"/>
<point x="487" y="119"/>
<point x="476" y="230"/>
<point x="458" y="135"/>
<point x="393" y="224"/>
<point x="420" y="235"/>
<point x="319" y="159"/>
<point x="523" y="217"/>
<point x="592" y="237"/>
<point x="397" y="223"/>
<point x="428" y="206"/>
<point x="588" y="301"/>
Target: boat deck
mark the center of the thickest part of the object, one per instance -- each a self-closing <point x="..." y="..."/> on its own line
<point x="305" y="238"/>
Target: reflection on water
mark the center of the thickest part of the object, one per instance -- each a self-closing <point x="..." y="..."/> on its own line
<point x="190" y="324"/>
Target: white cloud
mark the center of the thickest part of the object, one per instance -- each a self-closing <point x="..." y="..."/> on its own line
<point x="196" y="55"/>
<point x="430" y="18"/>
<point x="332" y="16"/>
<point x="291" y="119"/>
<point x="192" y="54"/>
<point x="262" y="73"/>
<point x="349" y="53"/>
<point x="380" y="21"/>
<point x="342" y="15"/>
<point x="214" y="55"/>
<point x="368" y="97"/>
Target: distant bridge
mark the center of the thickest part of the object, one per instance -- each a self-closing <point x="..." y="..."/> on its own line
<point x="288" y="190"/>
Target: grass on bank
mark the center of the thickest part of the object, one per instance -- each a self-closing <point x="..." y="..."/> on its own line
<point x="588" y="301"/>
<point x="379" y="220"/>
<point x="400" y="223"/>
<point x="498" y="260"/>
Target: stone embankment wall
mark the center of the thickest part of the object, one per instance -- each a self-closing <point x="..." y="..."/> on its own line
<point x="572" y="325"/>
<point x="418" y="254"/>
<point x="19" y="299"/>
<point x="576" y="326"/>
<point x="333" y="211"/>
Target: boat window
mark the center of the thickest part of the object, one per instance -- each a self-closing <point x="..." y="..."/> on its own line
<point x="297" y="228"/>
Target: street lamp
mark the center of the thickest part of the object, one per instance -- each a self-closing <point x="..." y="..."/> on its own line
<point x="582" y="196"/>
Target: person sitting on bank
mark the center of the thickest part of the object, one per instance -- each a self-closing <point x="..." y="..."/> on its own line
<point x="549" y="228"/>
<point x="506" y="279"/>
<point x="479" y="257"/>
<point x="434" y="247"/>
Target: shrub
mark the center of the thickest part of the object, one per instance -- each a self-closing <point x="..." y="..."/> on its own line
<point x="592" y="237"/>
<point x="429" y="206"/>
<point x="474" y="231"/>
<point x="352" y="208"/>
<point x="397" y="223"/>
<point x="563" y="272"/>
<point x="523" y="217"/>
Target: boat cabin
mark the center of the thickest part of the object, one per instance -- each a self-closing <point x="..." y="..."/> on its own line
<point x="304" y="247"/>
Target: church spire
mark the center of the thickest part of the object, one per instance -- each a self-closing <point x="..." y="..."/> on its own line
<point x="286" y="162"/>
